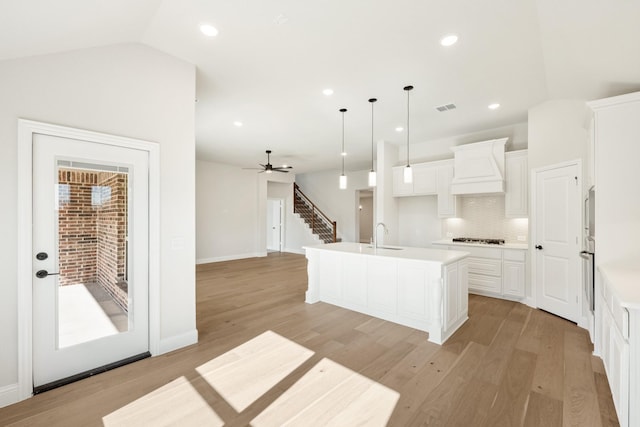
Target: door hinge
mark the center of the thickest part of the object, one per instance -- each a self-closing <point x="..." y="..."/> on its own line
<point x="576" y="178"/>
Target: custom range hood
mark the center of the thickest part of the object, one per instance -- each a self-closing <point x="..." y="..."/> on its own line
<point x="479" y="167"/>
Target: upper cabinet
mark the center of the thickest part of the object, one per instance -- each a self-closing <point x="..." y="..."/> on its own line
<point x="448" y="204"/>
<point x="424" y="180"/>
<point x="517" y="189"/>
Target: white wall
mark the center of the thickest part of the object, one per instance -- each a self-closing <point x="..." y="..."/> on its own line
<point x="128" y="90"/>
<point x="365" y="218"/>
<point x="558" y="132"/>
<point x="339" y="205"/>
<point x="226" y="212"/>
<point x="418" y="221"/>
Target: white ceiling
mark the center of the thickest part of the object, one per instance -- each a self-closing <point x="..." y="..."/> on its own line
<point x="272" y="59"/>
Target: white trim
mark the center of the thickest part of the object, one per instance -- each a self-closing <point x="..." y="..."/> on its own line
<point x="532" y="301"/>
<point x="295" y="251"/>
<point x="178" y="341"/>
<point x="230" y="257"/>
<point x="26" y="130"/>
<point x="9" y="395"/>
<point x="614" y="100"/>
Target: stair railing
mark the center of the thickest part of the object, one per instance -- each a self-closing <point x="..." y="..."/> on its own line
<point x="298" y="194"/>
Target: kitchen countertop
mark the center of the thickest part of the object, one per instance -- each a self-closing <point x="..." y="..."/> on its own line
<point x="441" y="256"/>
<point x="624" y="279"/>
<point x="521" y="246"/>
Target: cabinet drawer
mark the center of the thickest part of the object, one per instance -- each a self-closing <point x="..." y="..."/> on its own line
<point x="492" y="253"/>
<point x="490" y="267"/>
<point x="484" y="283"/>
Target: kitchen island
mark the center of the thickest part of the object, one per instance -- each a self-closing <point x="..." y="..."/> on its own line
<point x="426" y="289"/>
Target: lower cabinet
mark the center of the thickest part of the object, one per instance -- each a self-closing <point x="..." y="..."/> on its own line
<point x="616" y="343"/>
<point x="495" y="271"/>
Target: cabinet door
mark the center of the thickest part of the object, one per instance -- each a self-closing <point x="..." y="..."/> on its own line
<point x="451" y="295"/>
<point x="447" y="202"/>
<point x="618" y="373"/>
<point x="399" y="186"/>
<point x="513" y="278"/>
<point x="463" y="287"/>
<point x="424" y="180"/>
<point x="517" y="188"/>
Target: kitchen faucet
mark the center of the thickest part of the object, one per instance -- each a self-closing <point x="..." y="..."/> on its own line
<point x="375" y="240"/>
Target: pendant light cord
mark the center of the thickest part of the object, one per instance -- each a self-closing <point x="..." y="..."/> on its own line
<point x="343" y="110"/>
<point x="408" y="88"/>
<point x="372" y="100"/>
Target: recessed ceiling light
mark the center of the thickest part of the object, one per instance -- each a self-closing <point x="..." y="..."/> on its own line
<point x="328" y="92"/>
<point x="399" y="129"/>
<point x="494" y="106"/>
<point x="344" y="153"/>
<point x="208" y="30"/>
<point x="449" y="40"/>
<point x="237" y="123"/>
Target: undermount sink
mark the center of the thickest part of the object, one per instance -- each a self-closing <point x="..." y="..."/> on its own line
<point x="386" y="247"/>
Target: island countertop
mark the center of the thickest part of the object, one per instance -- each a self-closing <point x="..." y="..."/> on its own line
<point x="441" y="256"/>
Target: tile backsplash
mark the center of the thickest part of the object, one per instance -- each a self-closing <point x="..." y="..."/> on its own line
<point x="483" y="217"/>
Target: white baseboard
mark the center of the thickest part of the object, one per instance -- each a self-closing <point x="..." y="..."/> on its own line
<point x="9" y="395"/>
<point x="230" y="257"/>
<point x="178" y="341"/>
<point x="530" y="302"/>
<point x="295" y="251"/>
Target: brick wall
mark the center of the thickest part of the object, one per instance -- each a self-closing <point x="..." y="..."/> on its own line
<point x="77" y="227"/>
<point x="111" y="225"/>
<point x="92" y="223"/>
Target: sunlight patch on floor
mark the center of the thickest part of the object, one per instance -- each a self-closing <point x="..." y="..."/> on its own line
<point x="81" y="318"/>
<point x="175" y="404"/>
<point x="331" y="395"/>
<point x="244" y="374"/>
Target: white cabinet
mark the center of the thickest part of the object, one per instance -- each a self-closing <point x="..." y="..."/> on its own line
<point x="448" y="204"/>
<point x="517" y="189"/>
<point x="400" y="188"/>
<point x="513" y="272"/>
<point x="614" y="344"/>
<point x="424" y="180"/>
<point x="494" y="271"/>
<point x="432" y="178"/>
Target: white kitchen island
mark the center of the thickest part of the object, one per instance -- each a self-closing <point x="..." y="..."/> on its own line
<point x="426" y="289"/>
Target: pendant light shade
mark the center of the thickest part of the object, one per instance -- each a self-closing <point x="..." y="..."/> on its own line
<point x="343" y="177"/>
<point x="408" y="173"/>
<point x="372" y="172"/>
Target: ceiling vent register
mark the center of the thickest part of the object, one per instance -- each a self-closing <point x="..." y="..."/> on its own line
<point x="446" y="107"/>
<point x="479" y="168"/>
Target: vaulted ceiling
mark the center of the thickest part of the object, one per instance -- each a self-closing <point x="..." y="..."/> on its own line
<point x="272" y="59"/>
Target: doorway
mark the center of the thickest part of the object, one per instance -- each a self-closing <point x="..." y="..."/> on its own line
<point x="364" y="217"/>
<point x="88" y="253"/>
<point x="274" y="224"/>
<point x="556" y="234"/>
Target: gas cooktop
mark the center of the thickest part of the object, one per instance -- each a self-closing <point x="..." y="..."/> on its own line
<point x="477" y="240"/>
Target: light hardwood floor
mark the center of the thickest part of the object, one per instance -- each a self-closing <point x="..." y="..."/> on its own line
<point x="509" y="365"/>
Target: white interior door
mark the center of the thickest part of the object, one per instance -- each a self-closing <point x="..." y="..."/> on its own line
<point x="557" y="247"/>
<point x="274" y="225"/>
<point x="91" y="256"/>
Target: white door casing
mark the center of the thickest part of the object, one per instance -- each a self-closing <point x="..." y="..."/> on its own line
<point x="27" y="129"/>
<point x="556" y="244"/>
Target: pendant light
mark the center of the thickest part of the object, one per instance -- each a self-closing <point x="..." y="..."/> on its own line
<point x="343" y="177"/>
<point x="408" y="173"/>
<point x="372" y="172"/>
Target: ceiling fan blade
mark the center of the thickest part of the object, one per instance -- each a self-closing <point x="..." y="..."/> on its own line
<point x="253" y="169"/>
<point x="264" y="166"/>
<point x="283" y="167"/>
<point x="279" y="170"/>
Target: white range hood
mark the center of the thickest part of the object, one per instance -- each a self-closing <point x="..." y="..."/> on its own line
<point x="479" y="167"/>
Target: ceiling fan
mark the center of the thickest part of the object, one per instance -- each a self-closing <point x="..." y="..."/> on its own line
<point x="269" y="168"/>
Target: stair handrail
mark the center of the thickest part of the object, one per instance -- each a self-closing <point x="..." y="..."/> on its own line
<point x="314" y="209"/>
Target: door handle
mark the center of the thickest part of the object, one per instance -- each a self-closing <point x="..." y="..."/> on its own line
<point x="41" y="274"/>
<point x="539" y="247"/>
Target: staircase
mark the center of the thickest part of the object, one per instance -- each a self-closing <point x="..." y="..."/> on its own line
<point x="318" y="222"/>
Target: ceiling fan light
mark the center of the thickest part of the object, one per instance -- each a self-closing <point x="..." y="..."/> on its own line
<point x="343" y="182"/>
<point x="372" y="178"/>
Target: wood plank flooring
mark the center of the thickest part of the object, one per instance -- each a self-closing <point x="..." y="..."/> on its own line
<point x="509" y="365"/>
